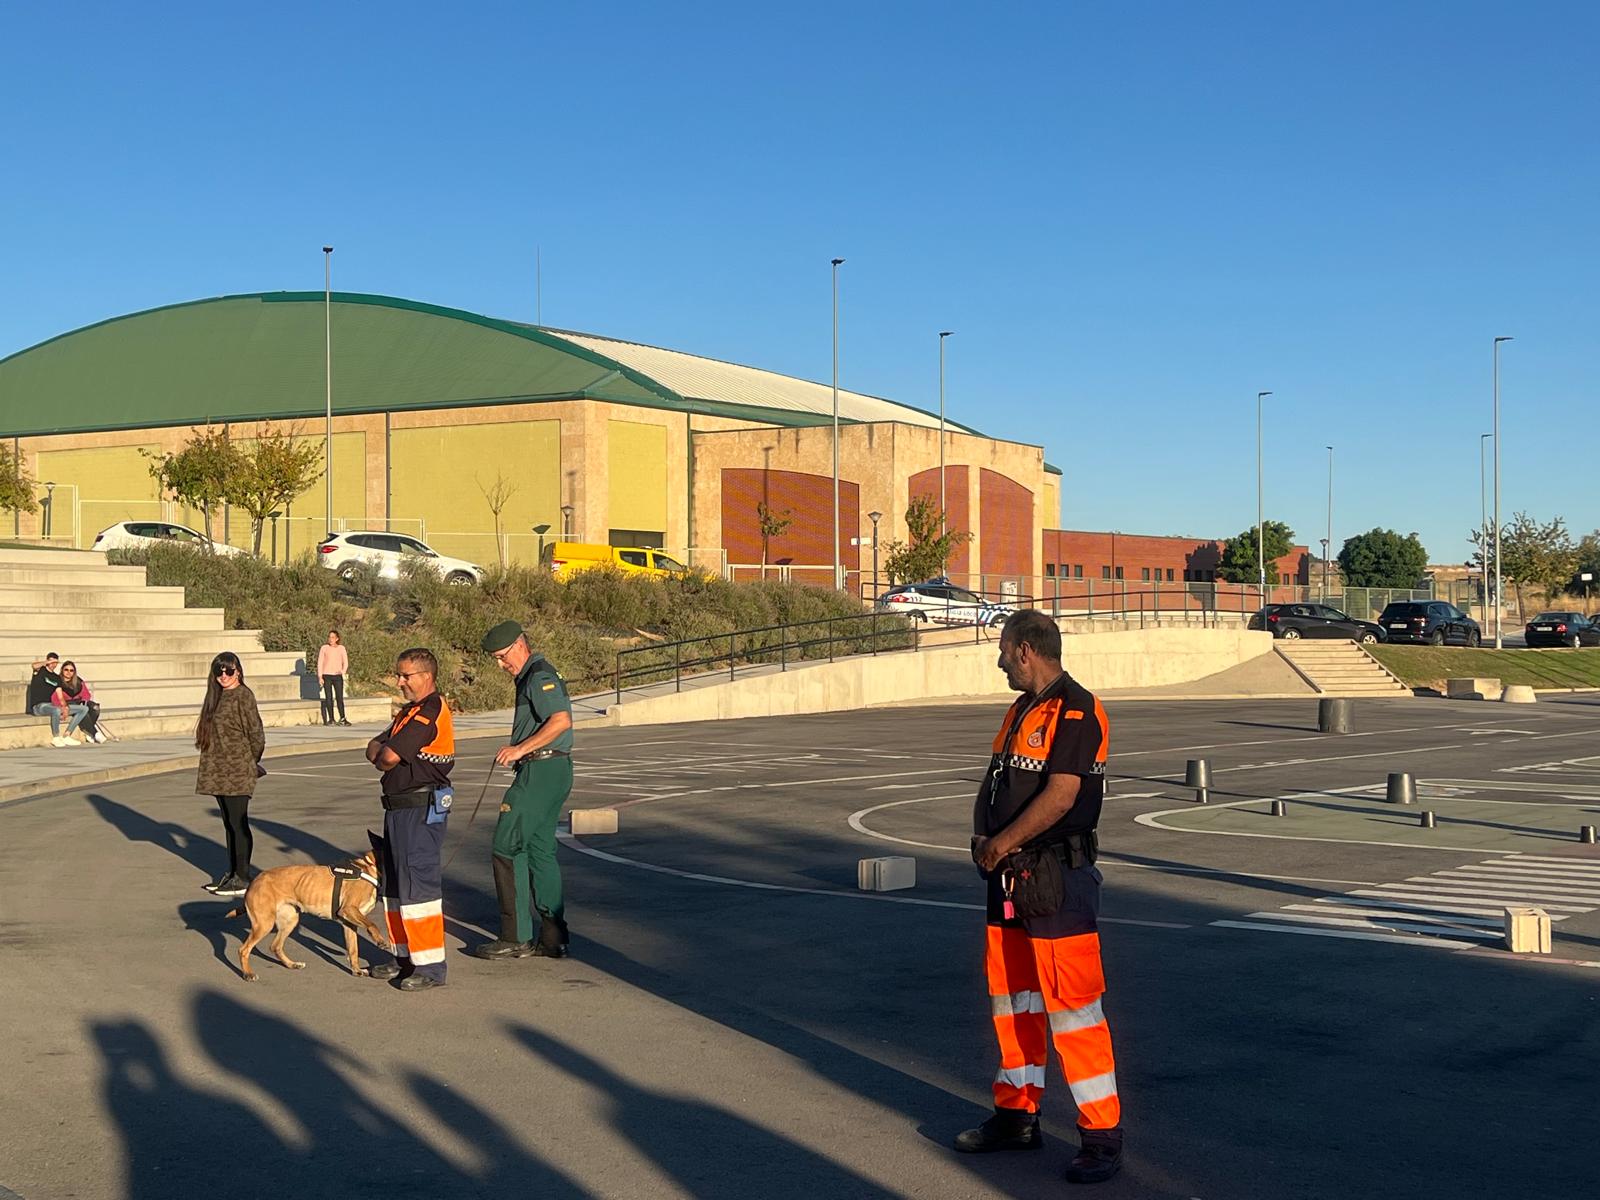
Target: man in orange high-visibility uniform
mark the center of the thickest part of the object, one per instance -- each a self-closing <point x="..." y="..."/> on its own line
<point x="415" y="755"/>
<point x="1034" y="841"/>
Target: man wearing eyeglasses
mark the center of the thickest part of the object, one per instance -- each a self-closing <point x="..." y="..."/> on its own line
<point x="415" y="755"/>
<point x="527" y="877"/>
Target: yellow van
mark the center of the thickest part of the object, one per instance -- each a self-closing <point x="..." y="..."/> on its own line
<point x="564" y="558"/>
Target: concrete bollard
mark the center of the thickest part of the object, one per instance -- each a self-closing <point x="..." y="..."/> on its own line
<point x="1518" y="693"/>
<point x="890" y="874"/>
<point x="1527" y="930"/>
<point x="1402" y="788"/>
<point x="1425" y="819"/>
<point x="1279" y="808"/>
<point x="592" y="820"/>
<point x="1197" y="775"/>
<point x="1335" y="715"/>
<point x="1586" y="834"/>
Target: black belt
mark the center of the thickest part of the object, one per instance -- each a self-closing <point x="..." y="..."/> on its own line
<point x="540" y="755"/>
<point x="1076" y="849"/>
<point x="417" y="798"/>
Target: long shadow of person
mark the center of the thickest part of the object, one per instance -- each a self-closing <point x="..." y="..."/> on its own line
<point x="209" y="856"/>
<point x="505" y="1169"/>
<point x="176" y="1140"/>
<point x="709" y="1151"/>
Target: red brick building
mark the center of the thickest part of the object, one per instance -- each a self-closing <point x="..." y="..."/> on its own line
<point x="1079" y="554"/>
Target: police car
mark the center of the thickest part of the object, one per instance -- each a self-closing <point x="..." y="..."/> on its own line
<point x="943" y="603"/>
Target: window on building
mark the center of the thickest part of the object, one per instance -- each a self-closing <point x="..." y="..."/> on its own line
<point x="1105" y="572"/>
<point x="1119" y="573"/>
<point x="1077" y="571"/>
<point x="1050" y="570"/>
<point x="1169" y="574"/>
<point x="1144" y="574"/>
<point x="652" y="539"/>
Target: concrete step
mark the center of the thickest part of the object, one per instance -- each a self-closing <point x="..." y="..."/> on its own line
<point x="63" y="596"/>
<point x="1340" y="668"/>
<point x="70" y="576"/>
<point x="17" y="732"/>
<point x="167" y="692"/>
<point x="62" y="621"/>
<point x="63" y="558"/>
<point x="93" y="644"/>
<point x="191" y="665"/>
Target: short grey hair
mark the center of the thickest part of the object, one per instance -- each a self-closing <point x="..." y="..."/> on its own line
<point x="1034" y="629"/>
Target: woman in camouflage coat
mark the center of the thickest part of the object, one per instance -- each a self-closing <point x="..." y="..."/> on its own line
<point x="231" y="740"/>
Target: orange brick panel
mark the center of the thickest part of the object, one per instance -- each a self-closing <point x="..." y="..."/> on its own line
<point x="806" y="499"/>
<point x="1005" y="522"/>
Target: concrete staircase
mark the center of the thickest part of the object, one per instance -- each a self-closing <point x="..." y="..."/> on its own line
<point x="1339" y="668"/>
<point x="144" y="654"/>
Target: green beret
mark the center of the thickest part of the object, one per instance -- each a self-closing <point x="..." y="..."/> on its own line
<point x="501" y="636"/>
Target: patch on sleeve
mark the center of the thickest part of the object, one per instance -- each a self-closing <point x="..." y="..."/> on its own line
<point x="548" y="687"/>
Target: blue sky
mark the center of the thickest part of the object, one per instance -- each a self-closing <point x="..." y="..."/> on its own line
<point x="1134" y="216"/>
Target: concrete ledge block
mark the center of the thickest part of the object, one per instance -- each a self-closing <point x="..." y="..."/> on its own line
<point x="1527" y="930"/>
<point x="890" y="874"/>
<point x="1473" y="689"/>
<point x="1518" y="693"/>
<point x="592" y="820"/>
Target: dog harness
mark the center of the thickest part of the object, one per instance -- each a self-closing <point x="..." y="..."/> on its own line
<point x="348" y="870"/>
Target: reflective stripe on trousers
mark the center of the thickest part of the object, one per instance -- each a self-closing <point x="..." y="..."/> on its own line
<point x="1044" y="990"/>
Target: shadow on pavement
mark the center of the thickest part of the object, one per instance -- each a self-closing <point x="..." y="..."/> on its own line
<point x="210" y="857"/>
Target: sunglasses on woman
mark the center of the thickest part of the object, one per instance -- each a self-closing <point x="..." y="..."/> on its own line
<point x="228" y="671"/>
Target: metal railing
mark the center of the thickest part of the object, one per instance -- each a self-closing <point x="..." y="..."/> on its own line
<point x="829" y="638"/>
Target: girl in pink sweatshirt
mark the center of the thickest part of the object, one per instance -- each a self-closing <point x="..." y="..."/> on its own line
<point x="333" y="662"/>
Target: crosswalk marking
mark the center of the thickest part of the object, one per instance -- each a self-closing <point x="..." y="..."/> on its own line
<point x="1456" y="908"/>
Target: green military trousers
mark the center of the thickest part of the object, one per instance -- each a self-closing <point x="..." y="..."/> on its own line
<point x="526" y="875"/>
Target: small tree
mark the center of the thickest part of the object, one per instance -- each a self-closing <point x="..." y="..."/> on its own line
<point x="1588" y="564"/>
<point x="1239" y="563"/>
<point x="1382" y="558"/>
<point x="927" y="554"/>
<point x="16" y="485"/>
<point x="197" y="474"/>
<point x="497" y="495"/>
<point x="269" y="474"/>
<point x="771" y="525"/>
<point x="1535" y="556"/>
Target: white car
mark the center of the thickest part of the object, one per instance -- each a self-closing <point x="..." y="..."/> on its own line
<point x="134" y="535"/>
<point x="386" y="551"/>
<point x="942" y="602"/>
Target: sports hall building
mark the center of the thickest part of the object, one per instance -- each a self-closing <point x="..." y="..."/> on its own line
<point x="599" y="439"/>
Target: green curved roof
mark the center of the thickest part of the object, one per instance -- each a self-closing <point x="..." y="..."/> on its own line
<point x="258" y="356"/>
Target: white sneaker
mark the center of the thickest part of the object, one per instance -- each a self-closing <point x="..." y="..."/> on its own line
<point x="100" y="737"/>
<point x="69" y="741"/>
<point x="59" y="741"/>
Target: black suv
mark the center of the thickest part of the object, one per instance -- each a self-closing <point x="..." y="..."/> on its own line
<point x="1429" y="621"/>
<point x="1293" y="621"/>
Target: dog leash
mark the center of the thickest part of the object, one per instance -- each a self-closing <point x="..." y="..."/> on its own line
<point x="482" y="792"/>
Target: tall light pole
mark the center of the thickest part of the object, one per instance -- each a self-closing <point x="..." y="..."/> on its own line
<point x="942" y="335"/>
<point x="1498" y="644"/>
<point x="874" y="517"/>
<point x="838" y="573"/>
<point x="327" y="372"/>
<point x="1261" y="541"/>
<point x="1327" y="545"/>
<point x="1483" y="521"/>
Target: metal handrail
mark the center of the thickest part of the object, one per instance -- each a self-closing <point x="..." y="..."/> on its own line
<point x="881" y="626"/>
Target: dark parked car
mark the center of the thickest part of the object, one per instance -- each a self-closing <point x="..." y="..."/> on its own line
<point x="1293" y="621"/>
<point x="1429" y="621"/>
<point x="1562" y="629"/>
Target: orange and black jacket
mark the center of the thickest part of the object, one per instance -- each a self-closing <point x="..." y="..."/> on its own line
<point x="1062" y="730"/>
<point x="424" y="738"/>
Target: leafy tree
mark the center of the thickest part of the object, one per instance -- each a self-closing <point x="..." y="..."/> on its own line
<point x="1538" y="557"/>
<point x="16" y="485"/>
<point x="1239" y="563"/>
<point x="275" y="469"/>
<point x="1382" y="558"/>
<point x="197" y="473"/>
<point x="497" y="495"/>
<point x="772" y="525"/>
<point x="927" y="553"/>
<point x="1588" y="563"/>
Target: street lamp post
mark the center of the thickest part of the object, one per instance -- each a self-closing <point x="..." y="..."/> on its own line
<point x="1498" y="643"/>
<point x="49" y="508"/>
<point x="874" y="517"/>
<point x="1483" y="522"/>
<point x="942" y="506"/>
<point x="327" y="372"/>
<point x="1261" y="541"/>
<point x="838" y="580"/>
<point x="1327" y="542"/>
<point x="541" y="530"/>
<point x="566" y="521"/>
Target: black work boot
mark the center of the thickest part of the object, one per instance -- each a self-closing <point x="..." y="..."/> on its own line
<point x="1008" y="1129"/>
<point x="553" y="938"/>
<point x="1099" y="1158"/>
<point x="502" y="948"/>
<point x="388" y="970"/>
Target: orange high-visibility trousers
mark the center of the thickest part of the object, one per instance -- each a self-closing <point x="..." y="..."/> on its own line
<point x="1044" y="990"/>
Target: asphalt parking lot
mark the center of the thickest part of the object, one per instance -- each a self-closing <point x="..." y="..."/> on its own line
<point x="1310" y="1005"/>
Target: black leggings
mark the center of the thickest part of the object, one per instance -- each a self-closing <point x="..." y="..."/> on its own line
<point x="236" y="820"/>
<point x="332" y="690"/>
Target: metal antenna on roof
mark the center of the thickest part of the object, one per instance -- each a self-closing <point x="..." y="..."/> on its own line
<point x="538" y="286"/>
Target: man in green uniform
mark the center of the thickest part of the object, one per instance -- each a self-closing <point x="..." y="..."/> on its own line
<point x="526" y="875"/>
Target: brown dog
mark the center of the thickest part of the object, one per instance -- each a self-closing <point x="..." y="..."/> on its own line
<point x="278" y="896"/>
